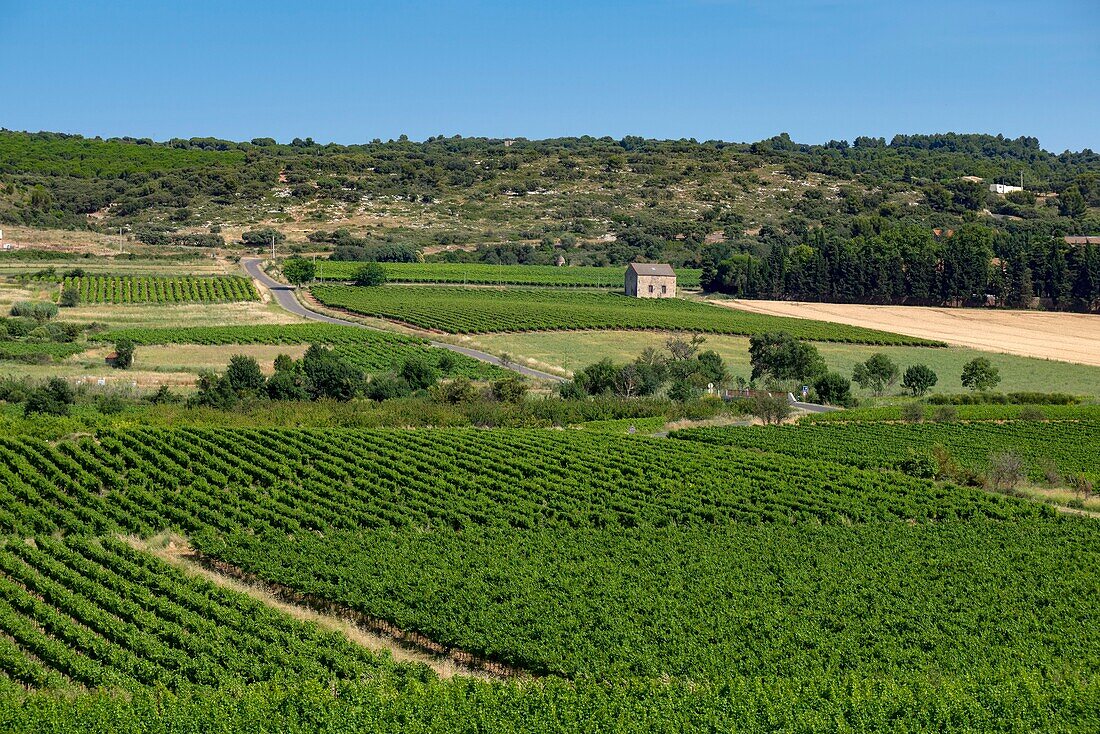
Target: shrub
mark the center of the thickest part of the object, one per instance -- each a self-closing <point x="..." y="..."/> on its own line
<point x="386" y="386"/>
<point x="509" y="389"/>
<point x="1032" y="413"/>
<point x="771" y="408"/>
<point x="419" y="373"/>
<point x="1006" y="470"/>
<point x="38" y="310"/>
<point x="53" y="398"/>
<point x="945" y="414"/>
<point x="920" y="465"/>
<point x="912" y="412"/>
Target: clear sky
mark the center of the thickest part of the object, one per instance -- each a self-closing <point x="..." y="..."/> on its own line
<point x="739" y="70"/>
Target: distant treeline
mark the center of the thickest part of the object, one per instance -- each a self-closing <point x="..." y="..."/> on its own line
<point x="908" y="264"/>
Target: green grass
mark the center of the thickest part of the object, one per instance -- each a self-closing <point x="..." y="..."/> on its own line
<point x="481" y="273"/>
<point x="481" y="310"/>
<point x="569" y="351"/>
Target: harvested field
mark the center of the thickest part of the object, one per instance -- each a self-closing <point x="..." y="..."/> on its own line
<point x="1067" y="337"/>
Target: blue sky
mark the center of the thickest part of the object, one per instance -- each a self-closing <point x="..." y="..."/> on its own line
<point x="709" y="69"/>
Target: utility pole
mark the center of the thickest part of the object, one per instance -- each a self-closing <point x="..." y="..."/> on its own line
<point x="272" y="248"/>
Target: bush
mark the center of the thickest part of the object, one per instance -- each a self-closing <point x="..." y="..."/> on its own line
<point x="38" y="310"/>
<point x="53" y="398"/>
<point x="1032" y="413"/>
<point x="419" y="373"/>
<point x="509" y="389"/>
<point x="771" y="409"/>
<point x="1006" y="470"/>
<point x="912" y="412"/>
<point x="919" y="465"/>
<point x="945" y="414"/>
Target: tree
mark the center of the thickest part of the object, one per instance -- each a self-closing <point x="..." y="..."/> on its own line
<point x="1006" y="470"/>
<point x="243" y="375"/>
<point x="833" y="388"/>
<point x="286" y="385"/>
<point x="387" y="386"/>
<point x="779" y="355"/>
<point x="877" y="374"/>
<point x="263" y="237"/>
<point x="329" y="376"/>
<point x="53" y="398"/>
<point x="980" y="374"/>
<point x="711" y="367"/>
<point x="919" y="379"/>
<point x="1071" y="203"/>
<point x="419" y="373"/>
<point x="124" y="354"/>
<point x="284" y="363"/>
<point x="298" y="270"/>
<point x="597" y="378"/>
<point x="70" y="297"/>
<point x="370" y="274"/>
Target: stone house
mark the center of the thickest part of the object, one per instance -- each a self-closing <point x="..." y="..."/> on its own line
<point x="650" y="280"/>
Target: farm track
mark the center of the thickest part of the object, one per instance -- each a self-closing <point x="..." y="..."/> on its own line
<point x="284" y="295"/>
<point x="371" y="632"/>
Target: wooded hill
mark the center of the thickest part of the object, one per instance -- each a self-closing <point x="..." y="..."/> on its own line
<point x="594" y="201"/>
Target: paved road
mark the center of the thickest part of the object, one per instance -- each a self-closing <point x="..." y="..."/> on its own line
<point x="810" y="407"/>
<point x="284" y="296"/>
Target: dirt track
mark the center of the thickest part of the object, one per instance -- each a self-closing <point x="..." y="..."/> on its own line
<point x="1066" y="337"/>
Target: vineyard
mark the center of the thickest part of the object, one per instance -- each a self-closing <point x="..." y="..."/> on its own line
<point x="97" y="613"/>
<point x="1072" y="446"/>
<point x="38" y="351"/>
<point x="290" y="481"/>
<point x="128" y="289"/>
<point x="482" y="310"/>
<point x="878" y="413"/>
<point x="484" y="274"/>
<point x="369" y="350"/>
<point x="681" y="585"/>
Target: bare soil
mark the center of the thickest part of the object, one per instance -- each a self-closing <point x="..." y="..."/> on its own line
<point x="1066" y="337"/>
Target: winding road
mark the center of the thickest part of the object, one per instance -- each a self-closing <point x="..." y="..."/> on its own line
<point x="285" y="297"/>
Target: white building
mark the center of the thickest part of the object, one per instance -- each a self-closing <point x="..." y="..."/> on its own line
<point x="1004" y="188"/>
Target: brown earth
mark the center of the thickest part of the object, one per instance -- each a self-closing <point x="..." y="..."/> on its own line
<point x="1066" y="337"/>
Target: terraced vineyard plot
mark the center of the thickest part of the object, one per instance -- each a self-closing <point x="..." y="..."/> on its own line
<point x="100" y="614"/>
<point x="481" y="273"/>
<point x="126" y="289"/>
<point x="371" y="351"/>
<point x="1073" y="446"/>
<point x="482" y="310"/>
<point x="294" y="481"/>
